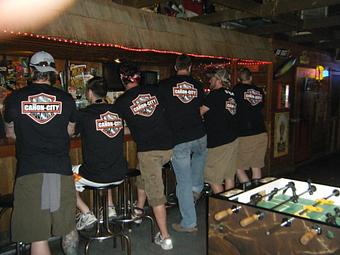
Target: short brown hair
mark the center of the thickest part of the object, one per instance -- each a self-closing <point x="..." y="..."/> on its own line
<point x="183" y="62"/>
<point x="245" y="74"/>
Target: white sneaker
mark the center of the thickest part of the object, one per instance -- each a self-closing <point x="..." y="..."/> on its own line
<point x="136" y="216"/>
<point x="166" y="244"/>
<point x="112" y="212"/>
<point x="85" y="220"/>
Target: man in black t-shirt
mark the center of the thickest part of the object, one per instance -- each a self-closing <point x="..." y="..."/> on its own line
<point x="41" y="118"/>
<point x="182" y="97"/>
<point x="252" y="132"/>
<point x="102" y="136"/>
<point x="144" y="116"/>
<point x="219" y="111"/>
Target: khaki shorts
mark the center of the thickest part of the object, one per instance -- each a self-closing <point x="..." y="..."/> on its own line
<point x="252" y="150"/>
<point x="29" y="222"/>
<point x="150" y="165"/>
<point x="221" y="163"/>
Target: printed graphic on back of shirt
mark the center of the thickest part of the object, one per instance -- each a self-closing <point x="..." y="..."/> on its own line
<point x="41" y="108"/>
<point x="109" y="123"/>
<point x="230" y="105"/>
<point x="254" y="97"/>
<point x="144" y="105"/>
<point x="185" y="92"/>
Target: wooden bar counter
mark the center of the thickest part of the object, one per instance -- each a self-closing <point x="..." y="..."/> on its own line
<point x="8" y="169"/>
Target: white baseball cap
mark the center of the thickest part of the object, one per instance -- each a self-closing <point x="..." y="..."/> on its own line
<point x="221" y="74"/>
<point x="43" y="62"/>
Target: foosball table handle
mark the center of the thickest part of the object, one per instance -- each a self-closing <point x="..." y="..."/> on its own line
<point x="227" y="212"/>
<point x="223" y="214"/>
<point x="309" y="235"/>
<point x="251" y="219"/>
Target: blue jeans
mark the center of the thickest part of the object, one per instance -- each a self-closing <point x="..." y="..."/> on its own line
<point x="189" y="161"/>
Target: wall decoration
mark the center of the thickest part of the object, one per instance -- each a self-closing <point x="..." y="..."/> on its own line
<point x="281" y="134"/>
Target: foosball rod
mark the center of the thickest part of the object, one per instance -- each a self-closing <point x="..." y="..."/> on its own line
<point x="285" y="223"/>
<point x="334" y="193"/>
<point x="310" y="189"/>
<point x="259" y="197"/>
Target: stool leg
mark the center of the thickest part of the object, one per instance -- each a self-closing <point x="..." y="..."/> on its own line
<point x="87" y="245"/>
<point x="152" y="225"/>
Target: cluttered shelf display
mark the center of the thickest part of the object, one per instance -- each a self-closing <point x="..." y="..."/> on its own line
<point x="283" y="216"/>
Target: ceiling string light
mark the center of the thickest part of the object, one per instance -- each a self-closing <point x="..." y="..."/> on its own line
<point x="97" y="44"/>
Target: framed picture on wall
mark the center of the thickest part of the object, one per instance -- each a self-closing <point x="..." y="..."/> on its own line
<point x="281" y="134"/>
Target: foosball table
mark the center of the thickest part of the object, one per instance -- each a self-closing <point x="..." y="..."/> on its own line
<point x="281" y="216"/>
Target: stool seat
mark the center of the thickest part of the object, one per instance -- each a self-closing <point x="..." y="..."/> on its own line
<point x="6" y="201"/>
<point x="106" y="187"/>
<point x="132" y="172"/>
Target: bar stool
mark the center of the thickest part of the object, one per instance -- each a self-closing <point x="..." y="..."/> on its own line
<point x="102" y="228"/>
<point x="127" y="211"/>
<point x="169" y="190"/>
<point x="6" y="202"/>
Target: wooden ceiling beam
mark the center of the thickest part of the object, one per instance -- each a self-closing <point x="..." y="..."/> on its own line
<point x="221" y="16"/>
<point x="138" y="3"/>
<point x="322" y="22"/>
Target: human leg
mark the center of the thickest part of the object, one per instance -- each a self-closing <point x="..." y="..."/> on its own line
<point x="229" y="184"/>
<point x="81" y="204"/>
<point x="217" y="188"/>
<point x="181" y="162"/>
<point x="256" y="173"/>
<point x="198" y="159"/>
<point x="141" y="198"/>
<point x="242" y="176"/>
<point x="40" y="248"/>
<point x="150" y="165"/>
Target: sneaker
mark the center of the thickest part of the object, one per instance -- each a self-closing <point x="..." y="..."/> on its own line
<point x="197" y="196"/>
<point x="85" y="220"/>
<point x="178" y="228"/>
<point x="112" y="212"/>
<point x="136" y="216"/>
<point x="166" y="243"/>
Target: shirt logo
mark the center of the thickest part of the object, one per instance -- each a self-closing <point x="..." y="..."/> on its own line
<point x="185" y="92"/>
<point x="254" y="97"/>
<point x="230" y="105"/>
<point x="41" y="108"/>
<point x="109" y="123"/>
<point x="144" y="105"/>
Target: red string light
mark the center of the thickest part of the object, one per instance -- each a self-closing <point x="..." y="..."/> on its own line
<point x="97" y="44"/>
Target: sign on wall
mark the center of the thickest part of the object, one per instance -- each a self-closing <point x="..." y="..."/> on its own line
<point x="281" y="134"/>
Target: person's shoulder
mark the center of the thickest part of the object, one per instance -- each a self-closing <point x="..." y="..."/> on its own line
<point x="150" y="89"/>
<point x="229" y="92"/>
<point x="61" y="93"/>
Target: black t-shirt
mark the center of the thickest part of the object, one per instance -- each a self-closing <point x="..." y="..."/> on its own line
<point x="144" y="116"/>
<point x="220" y="120"/>
<point x="2" y="128"/>
<point x="102" y="136"/>
<point x="250" y="103"/>
<point x="41" y="114"/>
<point x="182" y="97"/>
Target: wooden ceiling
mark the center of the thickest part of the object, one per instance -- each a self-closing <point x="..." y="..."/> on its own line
<point x="314" y="23"/>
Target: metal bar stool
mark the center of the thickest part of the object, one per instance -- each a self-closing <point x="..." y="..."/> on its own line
<point x="127" y="211"/>
<point x="6" y="202"/>
<point x="102" y="228"/>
